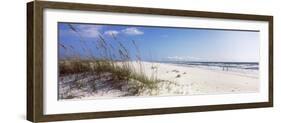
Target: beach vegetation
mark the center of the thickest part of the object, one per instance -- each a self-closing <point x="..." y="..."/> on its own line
<point x="113" y="65"/>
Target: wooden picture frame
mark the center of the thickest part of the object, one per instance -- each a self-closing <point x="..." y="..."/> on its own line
<point x="35" y="62"/>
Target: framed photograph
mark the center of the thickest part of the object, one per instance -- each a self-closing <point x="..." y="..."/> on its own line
<point x="89" y="61"/>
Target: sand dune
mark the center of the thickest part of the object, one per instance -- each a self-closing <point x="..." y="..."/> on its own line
<point x="173" y="80"/>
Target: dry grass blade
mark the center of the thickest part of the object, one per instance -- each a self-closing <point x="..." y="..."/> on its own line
<point x="118" y="71"/>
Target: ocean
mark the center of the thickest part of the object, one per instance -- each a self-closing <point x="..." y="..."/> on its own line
<point x="249" y="68"/>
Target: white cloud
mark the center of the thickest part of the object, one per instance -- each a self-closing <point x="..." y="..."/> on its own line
<point x="111" y="32"/>
<point x="185" y="58"/>
<point x="190" y="58"/>
<point x="89" y="30"/>
<point x="175" y="58"/>
<point x="132" y="31"/>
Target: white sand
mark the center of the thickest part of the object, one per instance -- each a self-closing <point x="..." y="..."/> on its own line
<point x="174" y="80"/>
<point x="194" y="81"/>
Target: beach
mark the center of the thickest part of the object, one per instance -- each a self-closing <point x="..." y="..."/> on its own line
<point x="195" y="81"/>
<point x="174" y="79"/>
<point x="116" y="62"/>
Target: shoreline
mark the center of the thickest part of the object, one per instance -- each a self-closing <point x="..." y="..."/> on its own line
<point x="180" y="80"/>
<point x="205" y="81"/>
<point x="232" y="70"/>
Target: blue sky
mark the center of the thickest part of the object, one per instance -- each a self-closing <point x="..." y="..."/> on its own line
<point x="162" y="43"/>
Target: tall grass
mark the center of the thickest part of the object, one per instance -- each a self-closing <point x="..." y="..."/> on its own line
<point x="117" y="61"/>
